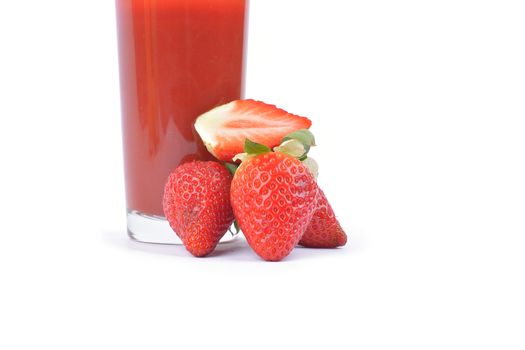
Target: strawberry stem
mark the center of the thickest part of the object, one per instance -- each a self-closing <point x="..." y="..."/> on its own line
<point x="236" y="227"/>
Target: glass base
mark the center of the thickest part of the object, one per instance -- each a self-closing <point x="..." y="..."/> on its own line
<point x="155" y="229"/>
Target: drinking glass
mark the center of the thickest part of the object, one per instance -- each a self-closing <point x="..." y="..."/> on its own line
<point x="178" y="59"/>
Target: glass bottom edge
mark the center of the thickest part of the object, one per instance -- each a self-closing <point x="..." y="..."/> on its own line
<point x="154" y="229"/>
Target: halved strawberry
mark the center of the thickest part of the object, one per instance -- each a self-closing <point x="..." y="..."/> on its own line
<point x="224" y="129"/>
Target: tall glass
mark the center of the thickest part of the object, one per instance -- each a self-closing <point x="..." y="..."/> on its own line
<point x="178" y="59"/>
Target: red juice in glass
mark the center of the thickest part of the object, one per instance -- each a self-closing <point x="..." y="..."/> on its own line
<point x="178" y="59"/>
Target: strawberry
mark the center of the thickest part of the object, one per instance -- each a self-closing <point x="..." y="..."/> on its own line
<point x="273" y="196"/>
<point x="197" y="205"/>
<point x="324" y="230"/>
<point x="225" y="128"/>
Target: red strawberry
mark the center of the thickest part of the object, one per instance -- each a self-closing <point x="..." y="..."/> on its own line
<point x="197" y="205"/>
<point x="324" y="230"/>
<point x="273" y="196"/>
<point x="225" y="128"/>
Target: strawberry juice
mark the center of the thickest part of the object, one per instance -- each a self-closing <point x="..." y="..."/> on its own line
<point x="178" y="59"/>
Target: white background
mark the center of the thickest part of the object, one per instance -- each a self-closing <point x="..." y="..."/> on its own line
<point x="418" y="108"/>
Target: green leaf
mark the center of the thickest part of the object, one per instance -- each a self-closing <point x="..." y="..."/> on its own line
<point x="237" y="227"/>
<point x="251" y="147"/>
<point x="304" y="136"/>
<point x="232" y="168"/>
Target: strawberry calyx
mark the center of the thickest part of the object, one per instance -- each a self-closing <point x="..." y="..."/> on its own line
<point x="296" y="144"/>
<point x="251" y="149"/>
<point x="293" y="148"/>
<point x="304" y="136"/>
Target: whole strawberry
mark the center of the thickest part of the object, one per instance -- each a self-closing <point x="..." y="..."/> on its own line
<point x="324" y="230"/>
<point x="273" y="196"/>
<point x="197" y="205"/>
